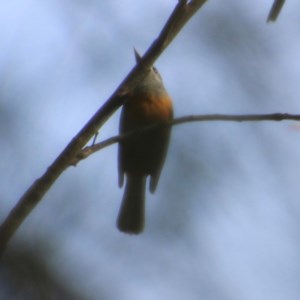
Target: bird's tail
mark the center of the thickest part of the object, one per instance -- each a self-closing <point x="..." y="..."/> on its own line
<point x="132" y="212"/>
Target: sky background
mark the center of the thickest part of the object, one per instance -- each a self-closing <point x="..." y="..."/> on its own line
<point x="224" y="221"/>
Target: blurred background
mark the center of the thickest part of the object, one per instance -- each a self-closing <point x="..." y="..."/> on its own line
<point x="224" y="221"/>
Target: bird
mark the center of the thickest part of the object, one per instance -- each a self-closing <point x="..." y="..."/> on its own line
<point x="143" y="154"/>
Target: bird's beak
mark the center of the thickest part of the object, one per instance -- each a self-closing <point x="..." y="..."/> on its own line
<point x="138" y="57"/>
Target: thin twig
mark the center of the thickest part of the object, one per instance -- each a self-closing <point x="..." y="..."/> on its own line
<point x="183" y="11"/>
<point x="275" y="10"/>
<point x="89" y="150"/>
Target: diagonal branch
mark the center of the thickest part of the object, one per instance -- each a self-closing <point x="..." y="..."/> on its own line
<point x="183" y="11"/>
<point x="275" y="10"/>
<point x="89" y="150"/>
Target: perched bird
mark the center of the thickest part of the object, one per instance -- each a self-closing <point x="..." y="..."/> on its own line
<point x="143" y="154"/>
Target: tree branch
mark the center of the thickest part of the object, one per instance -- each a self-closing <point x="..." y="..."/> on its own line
<point x="275" y="10"/>
<point x="183" y="11"/>
<point x="89" y="150"/>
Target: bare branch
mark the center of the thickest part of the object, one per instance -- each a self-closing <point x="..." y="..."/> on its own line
<point x="183" y="11"/>
<point x="275" y="10"/>
<point x="87" y="151"/>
